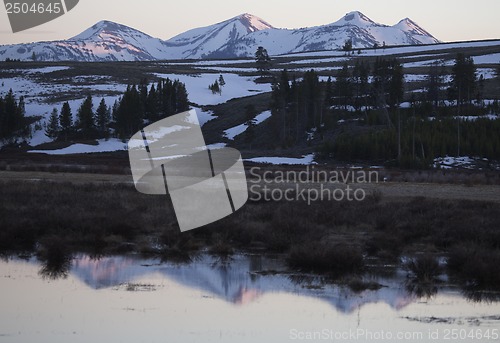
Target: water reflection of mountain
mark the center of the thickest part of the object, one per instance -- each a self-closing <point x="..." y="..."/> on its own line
<point x="237" y="281"/>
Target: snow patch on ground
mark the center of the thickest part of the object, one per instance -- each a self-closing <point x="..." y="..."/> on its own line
<point x="472" y="118"/>
<point x="204" y="116"/>
<point x="465" y="162"/>
<point x="216" y="146"/>
<point x="487" y="73"/>
<point x="238" y="130"/>
<point x="229" y="69"/>
<point x="449" y="162"/>
<point x="320" y="60"/>
<point x="487" y="59"/>
<point x="236" y="87"/>
<point x="415" y="78"/>
<point x="103" y="146"/>
<point x="305" y="160"/>
<point x="47" y="70"/>
<point x="210" y="62"/>
<point x="422" y="63"/>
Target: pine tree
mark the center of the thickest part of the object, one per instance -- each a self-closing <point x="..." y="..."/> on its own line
<point x="21" y="110"/>
<point x="103" y="117"/>
<point x="143" y="91"/>
<point x="129" y="115"/>
<point x="137" y="104"/>
<point x="347" y="46"/>
<point x="215" y="88"/>
<point x="66" y="121"/>
<point x="152" y="109"/>
<point x="181" y="97"/>
<point x="222" y="82"/>
<point x="396" y="86"/>
<point x="3" y="119"/>
<point x="329" y="92"/>
<point x="312" y="99"/>
<point x="262" y="60"/>
<point x="10" y="122"/>
<point x="463" y="83"/>
<point x="480" y="91"/>
<point x="250" y="114"/>
<point x="434" y="83"/>
<point x="114" y="111"/>
<point x="53" y="129"/>
<point x="86" y="120"/>
<point x="279" y="104"/>
<point x="343" y="87"/>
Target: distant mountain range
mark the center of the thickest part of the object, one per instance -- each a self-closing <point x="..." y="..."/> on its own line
<point x="237" y="37"/>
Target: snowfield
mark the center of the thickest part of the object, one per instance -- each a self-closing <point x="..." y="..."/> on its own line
<point x="465" y="162"/>
<point x="112" y="144"/>
<point x="204" y="116"/>
<point x="305" y="160"/>
<point x="236" y="87"/>
<point x="487" y="59"/>
<point x="238" y="130"/>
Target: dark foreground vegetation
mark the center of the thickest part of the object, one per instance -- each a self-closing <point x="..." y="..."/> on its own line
<point x="334" y="239"/>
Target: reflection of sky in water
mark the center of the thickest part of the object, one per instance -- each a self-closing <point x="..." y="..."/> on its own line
<point x="208" y="301"/>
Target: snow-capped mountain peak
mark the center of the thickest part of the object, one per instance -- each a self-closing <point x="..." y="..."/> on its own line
<point x="107" y="28"/>
<point x="409" y="26"/>
<point x="206" y="41"/>
<point x="355" y="18"/>
<point x="253" y="23"/>
<point x="236" y="37"/>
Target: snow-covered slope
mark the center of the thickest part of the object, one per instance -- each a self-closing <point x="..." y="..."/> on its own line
<point x="415" y="32"/>
<point x="237" y="37"/>
<point x="205" y="41"/>
<point x="354" y="26"/>
<point x="105" y="41"/>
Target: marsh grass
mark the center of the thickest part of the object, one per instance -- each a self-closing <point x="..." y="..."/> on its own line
<point x="475" y="266"/>
<point x="424" y="268"/>
<point x="336" y="261"/>
<point x="55" y="256"/>
<point x="326" y="237"/>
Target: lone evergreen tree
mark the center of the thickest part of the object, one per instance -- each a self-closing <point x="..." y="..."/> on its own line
<point x="86" y="120"/>
<point x="262" y="60"/>
<point x="52" y="130"/>
<point x="250" y="114"/>
<point x="347" y="45"/>
<point x="103" y="116"/>
<point x="66" y="121"/>
<point x="222" y="82"/>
